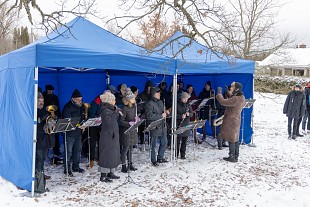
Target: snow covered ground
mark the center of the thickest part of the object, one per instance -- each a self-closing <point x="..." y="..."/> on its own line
<point x="274" y="173"/>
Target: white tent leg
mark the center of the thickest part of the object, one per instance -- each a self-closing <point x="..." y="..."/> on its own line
<point x="36" y="75"/>
<point x="174" y="116"/>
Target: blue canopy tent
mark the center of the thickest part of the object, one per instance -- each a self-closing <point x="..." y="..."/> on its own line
<point x="77" y="55"/>
<point x="197" y="64"/>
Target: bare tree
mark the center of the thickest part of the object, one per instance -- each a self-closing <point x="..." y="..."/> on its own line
<point x="248" y="30"/>
<point x="52" y="20"/>
<point x="244" y="28"/>
<point x="7" y="24"/>
<point x="199" y="17"/>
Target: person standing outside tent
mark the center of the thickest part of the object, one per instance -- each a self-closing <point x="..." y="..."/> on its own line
<point x="294" y="108"/>
<point x="306" y="117"/>
<point x="232" y="118"/>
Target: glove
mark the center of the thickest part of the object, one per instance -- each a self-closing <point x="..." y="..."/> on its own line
<point x="131" y="123"/>
<point x="219" y="90"/>
<point x="137" y="119"/>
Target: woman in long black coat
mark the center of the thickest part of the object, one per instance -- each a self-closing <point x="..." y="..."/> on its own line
<point x="127" y="141"/>
<point x="109" y="151"/>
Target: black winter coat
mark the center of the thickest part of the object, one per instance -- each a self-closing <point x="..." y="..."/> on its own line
<point x="42" y="138"/>
<point x="70" y="111"/>
<point x="154" y="109"/>
<point x="295" y="104"/>
<point x="182" y="108"/>
<point x="109" y="150"/>
<point x="129" y="114"/>
<point x="307" y="93"/>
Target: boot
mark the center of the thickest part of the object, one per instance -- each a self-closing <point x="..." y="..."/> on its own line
<point x="237" y="151"/>
<point x="113" y="176"/>
<point x="132" y="167"/>
<point x="232" y="151"/>
<point x="124" y="168"/>
<point x="91" y="164"/>
<point x="104" y="178"/>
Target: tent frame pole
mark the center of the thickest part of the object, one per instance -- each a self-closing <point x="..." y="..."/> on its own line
<point x="36" y="76"/>
<point x="174" y="115"/>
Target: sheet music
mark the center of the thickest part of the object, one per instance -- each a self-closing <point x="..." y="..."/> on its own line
<point x="92" y="122"/>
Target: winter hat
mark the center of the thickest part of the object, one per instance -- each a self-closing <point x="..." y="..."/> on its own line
<point x="149" y="84"/>
<point x="107" y="97"/>
<point x="129" y="94"/>
<point x="111" y="88"/>
<point x="155" y="90"/>
<point x="238" y="86"/>
<point x="40" y="96"/>
<point x="133" y="88"/>
<point x="185" y="95"/>
<point x="208" y="83"/>
<point x="76" y="94"/>
<point x="49" y="87"/>
<point x="298" y="86"/>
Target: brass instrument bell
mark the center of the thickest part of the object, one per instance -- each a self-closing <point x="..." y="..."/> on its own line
<point x="86" y="106"/>
<point x="51" y="108"/>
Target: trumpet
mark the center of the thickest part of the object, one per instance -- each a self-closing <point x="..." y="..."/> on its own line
<point x="51" y="120"/>
<point x="218" y="121"/>
<point x="86" y="106"/>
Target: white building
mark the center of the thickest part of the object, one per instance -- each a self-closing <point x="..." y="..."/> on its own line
<point x="293" y="62"/>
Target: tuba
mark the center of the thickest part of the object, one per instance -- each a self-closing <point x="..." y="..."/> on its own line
<point x="218" y="121"/>
<point x="86" y="106"/>
<point x="51" y="119"/>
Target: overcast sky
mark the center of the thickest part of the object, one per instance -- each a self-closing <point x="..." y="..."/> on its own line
<point x="293" y="17"/>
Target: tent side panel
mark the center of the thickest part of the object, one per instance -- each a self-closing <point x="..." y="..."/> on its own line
<point x="16" y="120"/>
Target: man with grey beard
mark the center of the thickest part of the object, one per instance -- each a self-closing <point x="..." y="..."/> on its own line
<point x="74" y="108"/>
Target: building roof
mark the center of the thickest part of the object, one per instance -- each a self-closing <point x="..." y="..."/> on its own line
<point x="292" y="57"/>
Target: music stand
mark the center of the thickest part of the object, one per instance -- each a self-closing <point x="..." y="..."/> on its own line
<point x="192" y="102"/>
<point x="65" y="125"/>
<point x="149" y="128"/>
<point x="248" y="104"/>
<point x="91" y="122"/>
<point x="194" y="125"/>
<point x="132" y="128"/>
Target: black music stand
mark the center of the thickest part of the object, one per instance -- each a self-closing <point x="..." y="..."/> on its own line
<point x="201" y="106"/>
<point x="248" y="104"/>
<point x="65" y="125"/>
<point x="194" y="125"/>
<point x="149" y="128"/>
<point x="91" y="122"/>
<point x="132" y="128"/>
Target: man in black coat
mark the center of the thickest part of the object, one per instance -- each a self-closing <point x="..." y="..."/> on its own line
<point x="294" y="108"/>
<point x="74" y="108"/>
<point x="154" y="110"/>
<point x="306" y="118"/>
<point x="184" y="112"/>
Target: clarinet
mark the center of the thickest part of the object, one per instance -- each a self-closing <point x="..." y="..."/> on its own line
<point x="187" y="110"/>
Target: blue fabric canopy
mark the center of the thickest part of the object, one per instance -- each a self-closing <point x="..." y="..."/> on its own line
<point x="64" y="58"/>
<point x="197" y="64"/>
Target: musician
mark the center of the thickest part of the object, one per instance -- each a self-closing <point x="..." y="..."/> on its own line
<point x="74" y="108"/>
<point x="232" y="117"/>
<point x="109" y="147"/>
<point x="120" y="95"/>
<point x="51" y="99"/>
<point x="184" y="112"/>
<point x="135" y="91"/>
<point x="154" y="110"/>
<point x="43" y="142"/>
<point x="94" y="132"/>
<point x="127" y="141"/>
<point x="205" y="93"/>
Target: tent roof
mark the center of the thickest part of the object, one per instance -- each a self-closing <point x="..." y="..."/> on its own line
<point x="292" y="57"/>
<point x="197" y="58"/>
<point x="82" y="44"/>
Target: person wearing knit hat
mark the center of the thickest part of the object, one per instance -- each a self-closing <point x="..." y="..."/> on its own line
<point x="74" y="108"/>
<point x="184" y="112"/>
<point x="109" y="146"/>
<point x="42" y="142"/>
<point x="111" y="88"/>
<point x="154" y="110"/>
<point x="127" y="141"/>
<point x="145" y="95"/>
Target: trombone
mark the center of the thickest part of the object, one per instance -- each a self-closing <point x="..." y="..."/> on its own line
<point x="51" y="120"/>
